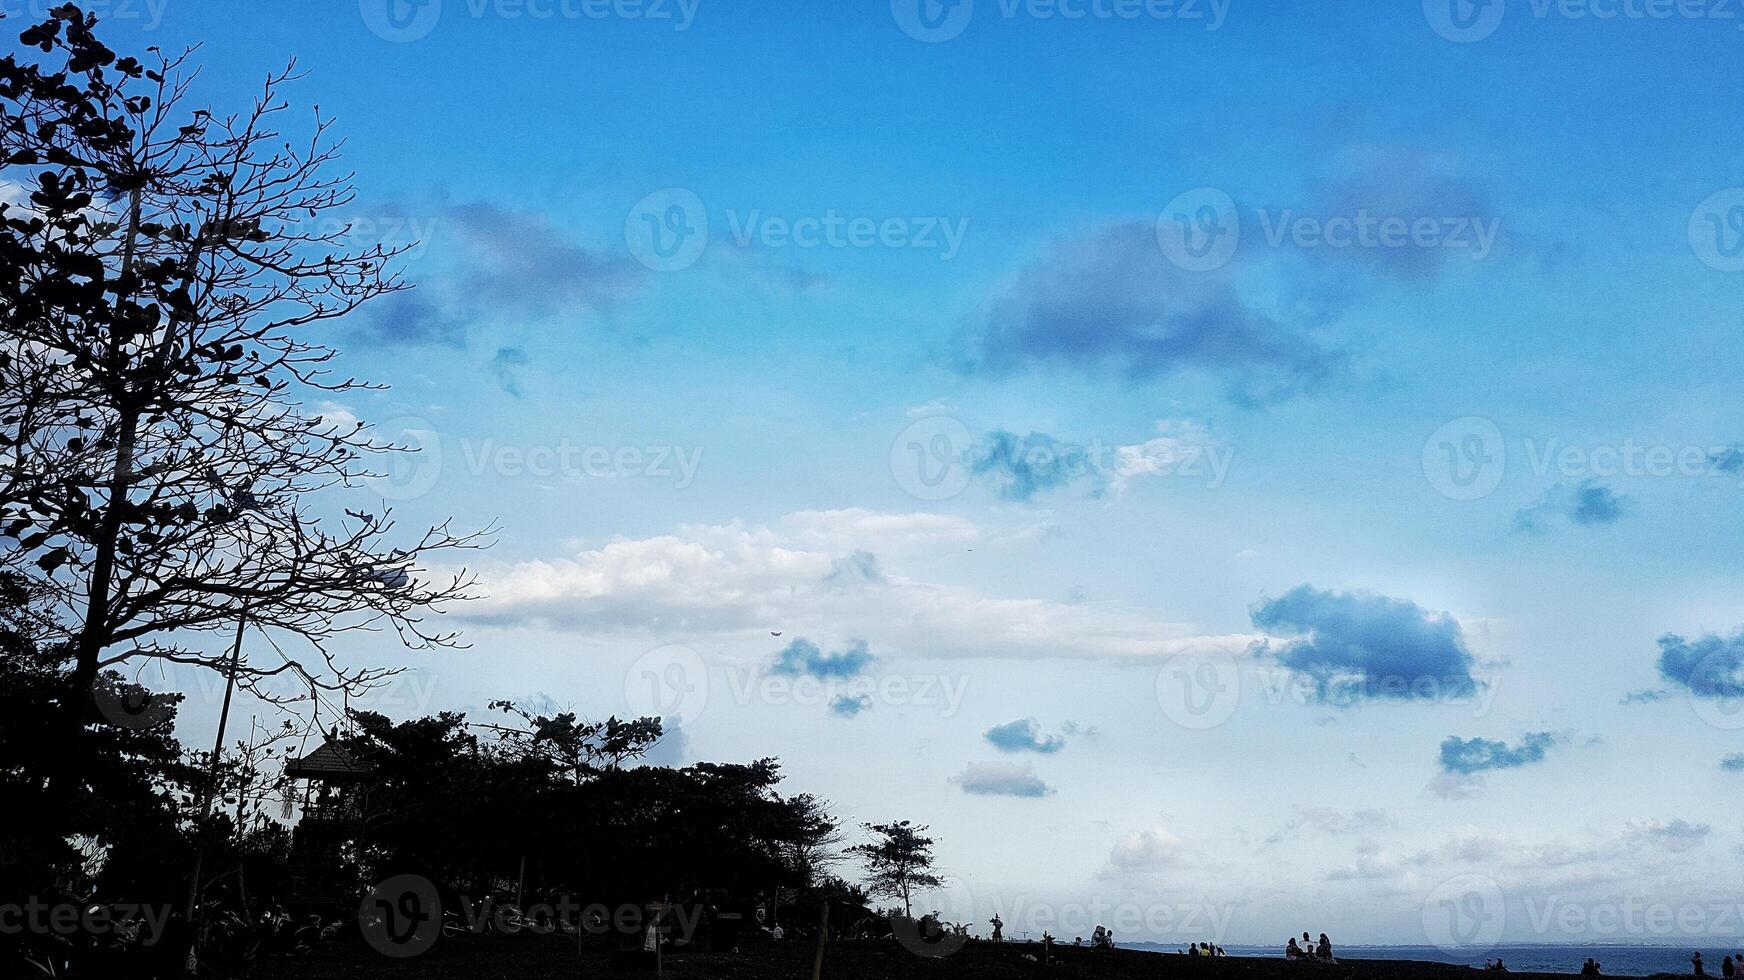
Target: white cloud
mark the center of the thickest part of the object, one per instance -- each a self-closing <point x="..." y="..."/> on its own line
<point x="704" y="580"/>
<point x="1001" y="779"/>
<point x="1333" y="822"/>
<point x="1182" y="447"/>
<point x="1152" y="849"/>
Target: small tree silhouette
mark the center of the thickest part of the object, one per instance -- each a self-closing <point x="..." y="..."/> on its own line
<point x="898" y="861"/>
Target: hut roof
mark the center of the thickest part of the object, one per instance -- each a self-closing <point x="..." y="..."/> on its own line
<point x="327" y="762"/>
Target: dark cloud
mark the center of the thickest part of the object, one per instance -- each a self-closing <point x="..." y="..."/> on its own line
<point x="1710" y="666"/>
<point x="411" y="318"/>
<point x="1408" y="183"/>
<point x="521" y="264"/>
<point x="1733" y="762"/>
<point x="1357" y="645"/>
<point x="1001" y="779"/>
<point x="861" y="566"/>
<point x="1023" y="735"/>
<point x="850" y="706"/>
<point x="1111" y="302"/>
<point x="1470" y="756"/>
<point x="803" y="658"/>
<point x="503" y="367"/>
<point x="1019" y="468"/>
<point x="498" y="265"/>
<point x="1728" y="460"/>
<point x="1588" y="504"/>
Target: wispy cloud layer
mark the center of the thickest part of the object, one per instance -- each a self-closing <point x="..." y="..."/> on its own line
<point x="703" y="580"/>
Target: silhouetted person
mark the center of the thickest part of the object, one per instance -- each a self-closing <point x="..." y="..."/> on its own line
<point x="1696" y="961"/>
<point x="1726" y="969"/>
<point x="998" y="929"/>
<point x="1325" y="950"/>
<point x="1292" y="951"/>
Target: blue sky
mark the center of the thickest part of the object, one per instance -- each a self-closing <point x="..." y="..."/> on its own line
<point x="1282" y="576"/>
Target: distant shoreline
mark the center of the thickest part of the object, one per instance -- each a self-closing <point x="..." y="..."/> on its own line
<point x="539" y="958"/>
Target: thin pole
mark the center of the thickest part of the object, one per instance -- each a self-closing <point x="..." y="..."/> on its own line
<point x="817" y="960"/>
<point x="192" y="916"/>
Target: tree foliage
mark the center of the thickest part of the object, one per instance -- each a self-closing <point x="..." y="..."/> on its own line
<point x="161" y="471"/>
<point x="898" y="860"/>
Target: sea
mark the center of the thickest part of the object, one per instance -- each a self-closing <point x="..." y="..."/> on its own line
<point x="1616" y="960"/>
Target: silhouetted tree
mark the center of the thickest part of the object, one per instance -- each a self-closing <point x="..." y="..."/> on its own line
<point x="577" y="749"/>
<point x="158" y="285"/>
<point x="898" y="860"/>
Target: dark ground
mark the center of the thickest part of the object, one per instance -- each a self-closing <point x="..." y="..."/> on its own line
<point x="549" y="958"/>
